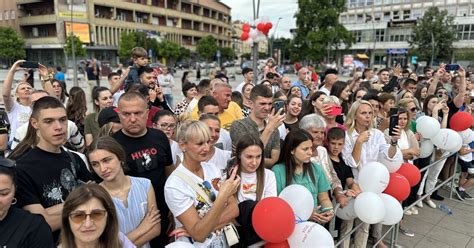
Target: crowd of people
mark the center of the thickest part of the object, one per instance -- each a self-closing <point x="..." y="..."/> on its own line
<point x="141" y="171"/>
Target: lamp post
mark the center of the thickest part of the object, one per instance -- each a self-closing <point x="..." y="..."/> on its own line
<point x="255" y="44"/>
<point x="432" y="48"/>
<point x="273" y="36"/>
<point x="73" y="47"/>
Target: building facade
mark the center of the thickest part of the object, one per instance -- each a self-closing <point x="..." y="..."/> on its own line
<point x="382" y="28"/>
<point x="44" y="24"/>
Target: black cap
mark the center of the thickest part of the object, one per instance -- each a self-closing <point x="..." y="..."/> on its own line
<point x="109" y="114"/>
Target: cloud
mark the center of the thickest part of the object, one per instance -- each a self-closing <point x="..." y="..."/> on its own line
<point x="286" y="9"/>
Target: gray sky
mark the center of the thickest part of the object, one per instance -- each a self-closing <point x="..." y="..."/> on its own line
<point x="273" y="9"/>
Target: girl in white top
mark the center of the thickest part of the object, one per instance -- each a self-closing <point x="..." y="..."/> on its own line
<point x="257" y="182"/>
<point x="133" y="197"/>
<point x="200" y="214"/>
<point x="165" y="121"/>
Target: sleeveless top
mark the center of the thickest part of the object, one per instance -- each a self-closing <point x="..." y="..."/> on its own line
<point x="130" y="217"/>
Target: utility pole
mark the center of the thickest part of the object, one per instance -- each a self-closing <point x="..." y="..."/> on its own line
<point x="255" y="44"/>
<point x="73" y="47"/>
<point x="432" y="48"/>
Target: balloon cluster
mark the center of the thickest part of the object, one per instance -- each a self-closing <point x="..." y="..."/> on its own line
<point x="281" y="221"/>
<point x="257" y="33"/>
<point x="383" y="188"/>
<point x="451" y="139"/>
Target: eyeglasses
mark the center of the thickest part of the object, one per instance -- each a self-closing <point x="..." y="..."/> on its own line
<point x="96" y="215"/>
<point x="413" y="109"/>
<point x="167" y="125"/>
<point x="209" y="191"/>
<point x="7" y="163"/>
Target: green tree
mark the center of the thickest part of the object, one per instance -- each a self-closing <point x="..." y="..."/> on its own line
<point x="184" y="53"/>
<point x="246" y="56"/>
<point x="207" y="47"/>
<point x="227" y="53"/>
<point x="79" y="51"/>
<point x="433" y="35"/>
<point x="128" y="40"/>
<point x="318" y="28"/>
<point x="12" y="46"/>
<point x="168" y="50"/>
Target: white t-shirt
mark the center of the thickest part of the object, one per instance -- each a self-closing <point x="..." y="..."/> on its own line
<point x="180" y="196"/>
<point x="240" y="86"/>
<point x="466" y="157"/>
<point x="116" y="96"/>
<point x="282" y="131"/>
<point x="166" y="82"/>
<point x="18" y="115"/>
<point x="175" y="150"/>
<point x="74" y="137"/>
<point x="224" y="142"/>
<point x="220" y="158"/>
<point x="248" y="186"/>
<point x="192" y="104"/>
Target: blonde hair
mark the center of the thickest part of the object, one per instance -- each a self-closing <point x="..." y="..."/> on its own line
<point x="193" y="129"/>
<point x="331" y="100"/>
<point x="351" y="115"/>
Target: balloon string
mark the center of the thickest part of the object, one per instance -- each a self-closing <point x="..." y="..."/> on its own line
<point x="299" y="220"/>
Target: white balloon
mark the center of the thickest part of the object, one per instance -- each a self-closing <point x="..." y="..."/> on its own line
<point x="427" y="126"/>
<point x="393" y="210"/>
<point x="261" y="37"/>
<point x="310" y="234"/>
<point x="426" y="148"/>
<point x="348" y="212"/>
<point x="253" y="34"/>
<point x="373" y="177"/>
<point x="467" y="136"/>
<point x="447" y="139"/>
<point x="300" y="200"/>
<point x="249" y="41"/>
<point x="369" y="207"/>
<point x="391" y="164"/>
<point x="180" y="244"/>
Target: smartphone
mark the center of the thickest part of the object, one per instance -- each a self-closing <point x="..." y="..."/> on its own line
<point x="335" y="110"/>
<point x="393" y="120"/>
<point x="323" y="210"/>
<point x="277" y="105"/>
<point x="452" y="67"/>
<point x="29" y="64"/>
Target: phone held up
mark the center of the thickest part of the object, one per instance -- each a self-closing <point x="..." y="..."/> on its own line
<point x="393" y="121"/>
<point x="451" y="67"/>
<point x="277" y="105"/>
<point x="29" y="64"/>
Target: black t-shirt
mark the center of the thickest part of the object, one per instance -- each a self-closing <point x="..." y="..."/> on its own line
<point x="147" y="157"/>
<point x="47" y="178"/>
<point x="343" y="171"/>
<point x="22" y="229"/>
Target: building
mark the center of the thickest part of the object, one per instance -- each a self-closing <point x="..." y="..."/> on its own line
<point x="242" y="47"/>
<point x="44" y="24"/>
<point x="382" y="28"/>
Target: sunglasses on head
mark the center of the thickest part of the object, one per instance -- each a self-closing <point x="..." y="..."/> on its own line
<point x="95" y="215"/>
<point x="209" y="191"/>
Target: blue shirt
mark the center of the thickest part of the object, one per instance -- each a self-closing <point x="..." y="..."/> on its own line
<point x="304" y="89"/>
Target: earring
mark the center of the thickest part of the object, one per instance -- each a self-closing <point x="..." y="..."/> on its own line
<point x="14" y="201"/>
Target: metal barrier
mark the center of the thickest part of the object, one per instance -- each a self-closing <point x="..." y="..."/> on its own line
<point x="394" y="228"/>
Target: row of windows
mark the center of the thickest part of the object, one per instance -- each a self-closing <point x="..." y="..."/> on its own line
<point x="363" y="3"/>
<point x="7" y="15"/>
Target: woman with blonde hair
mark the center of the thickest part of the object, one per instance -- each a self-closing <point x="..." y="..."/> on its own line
<point x="364" y="144"/>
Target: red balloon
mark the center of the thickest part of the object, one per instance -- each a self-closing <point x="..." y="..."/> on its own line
<point x="244" y="36"/>
<point x="246" y="27"/>
<point x="268" y="25"/>
<point x="265" y="32"/>
<point x="398" y="187"/>
<point x="261" y="26"/>
<point x="283" y="244"/>
<point x="460" y="121"/>
<point x="411" y="173"/>
<point x="273" y="220"/>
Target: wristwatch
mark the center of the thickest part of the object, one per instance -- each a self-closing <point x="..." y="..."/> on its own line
<point x="393" y="143"/>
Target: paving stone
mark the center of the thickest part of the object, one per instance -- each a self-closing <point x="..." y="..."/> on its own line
<point x="449" y="237"/>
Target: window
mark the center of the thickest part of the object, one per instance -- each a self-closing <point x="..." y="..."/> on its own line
<point x="396" y="15"/>
<point x="12" y="15"/>
<point x="378" y="2"/>
<point x="417" y="13"/>
<point x="357" y="35"/>
<point x="7" y="15"/>
<point x="360" y="18"/>
<point x="386" y="16"/>
<point x="377" y="17"/>
<point x="34" y="32"/>
<point x="462" y="11"/>
<point x="380" y="35"/>
<point x="352" y="3"/>
<point x="406" y="14"/>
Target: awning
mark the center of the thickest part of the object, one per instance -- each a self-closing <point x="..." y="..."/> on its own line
<point x="362" y="56"/>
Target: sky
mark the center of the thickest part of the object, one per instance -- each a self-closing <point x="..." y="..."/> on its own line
<point x="273" y="9"/>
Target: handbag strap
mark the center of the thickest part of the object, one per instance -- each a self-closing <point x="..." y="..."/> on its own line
<point x="194" y="184"/>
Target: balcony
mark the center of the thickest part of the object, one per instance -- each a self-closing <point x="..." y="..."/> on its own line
<point x="37" y="20"/>
<point x="27" y="1"/>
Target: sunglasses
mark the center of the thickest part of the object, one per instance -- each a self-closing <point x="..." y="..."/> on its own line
<point x="413" y="109"/>
<point x="96" y="215"/>
<point x="209" y="191"/>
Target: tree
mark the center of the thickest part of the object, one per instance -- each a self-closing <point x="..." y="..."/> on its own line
<point x="318" y="28"/>
<point x="227" y="53"/>
<point x="79" y="49"/>
<point x="207" y="47"/>
<point x="168" y="50"/>
<point x="246" y="56"/>
<point x="184" y="53"/>
<point x="127" y="42"/>
<point x="433" y="35"/>
<point x="12" y="46"/>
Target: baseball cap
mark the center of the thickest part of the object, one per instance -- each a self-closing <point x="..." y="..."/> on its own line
<point x="109" y="114"/>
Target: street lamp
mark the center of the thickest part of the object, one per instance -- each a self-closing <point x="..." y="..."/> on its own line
<point x="73" y="47"/>
<point x="273" y="36"/>
<point x="256" y="9"/>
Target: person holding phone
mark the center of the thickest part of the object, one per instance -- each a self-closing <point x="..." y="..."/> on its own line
<point x="295" y="167"/>
<point x="363" y="144"/>
<point x="333" y="109"/>
<point x="133" y="197"/>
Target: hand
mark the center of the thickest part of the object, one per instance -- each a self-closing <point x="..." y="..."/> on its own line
<point x="178" y="233"/>
<point x="445" y="109"/>
<point x="275" y="119"/>
<point x="230" y="186"/>
<point x="415" y="152"/>
<point x="352" y="193"/>
<point x="418" y="136"/>
<point x="151" y="219"/>
<point x="397" y="71"/>
<point x="441" y="71"/>
<point x="396" y="133"/>
<point x="152" y="94"/>
<point x="326" y="109"/>
<point x="461" y="72"/>
<point x="43" y="71"/>
<point x="363" y="137"/>
<point x="321" y="218"/>
<point x="16" y="65"/>
<point x="342" y="200"/>
<point x="126" y="71"/>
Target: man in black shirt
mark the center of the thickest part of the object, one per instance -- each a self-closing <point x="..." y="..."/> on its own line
<point x="148" y="151"/>
<point x="46" y="172"/>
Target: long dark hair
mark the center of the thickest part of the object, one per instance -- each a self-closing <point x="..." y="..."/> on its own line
<point x="425" y="104"/>
<point x="31" y="138"/>
<point x="337" y="90"/>
<point x="64" y="93"/>
<point x="308" y="108"/>
<point x="76" y="107"/>
<point x="294" y="139"/>
<point x="81" y="195"/>
<point x="246" y="141"/>
<point x="95" y="96"/>
<point x="111" y="145"/>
